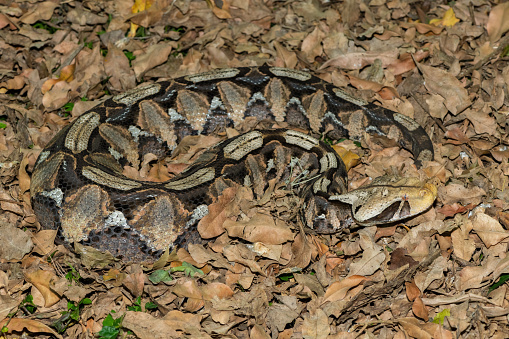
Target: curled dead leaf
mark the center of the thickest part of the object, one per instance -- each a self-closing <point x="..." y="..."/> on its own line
<point x="260" y="228"/>
<point x="43" y="281"/>
<point x="339" y="289"/>
<point x="19" y="324"/>
<point x="211" y="225"/>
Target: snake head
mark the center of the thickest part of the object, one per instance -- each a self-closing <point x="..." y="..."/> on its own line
<point x="389" y="199"/>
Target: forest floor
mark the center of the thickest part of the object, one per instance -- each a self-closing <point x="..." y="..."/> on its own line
<point x="439" y="275"/>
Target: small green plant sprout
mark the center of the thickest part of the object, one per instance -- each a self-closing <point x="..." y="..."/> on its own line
<point x="72" y="275"/>
<point x="111" y="327"/>
<point x="72" y="315"/>
<point x="137" y="305"/>
<point x="27" y="305"/>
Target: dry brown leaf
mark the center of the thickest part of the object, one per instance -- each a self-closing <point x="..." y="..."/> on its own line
<point x="457" y="135"/>
<point x="316" y="325"/>
<point x="463" y="244"/>
<point x="388" y="93"/>
<point x="154" y="56"/>
<point x="43" y="281"/>
<point x="15" y="242"/>
<point x="8" y="304"/>
<point x="150" y="16"/>
<point x="426" y="28"/>
<point x="261" y="228"/>
<point x="482" y="121"/>
<point x="116" y="275"/>
<point x="420" y="310"/>
<point x="34" y="326"/>
<point x="435" y="272"/>
<point x="134" y="282"/>
<point x="146" y="326"/>
<point x="360" y="60"/>
<point x="454" y="193"/>
<point x="257" y="332"/>
<point x="188" y="289"/>
<point x="93" y="258"/>
<point x="350" y="159"/>
<point x="267" y="251"/>
<point x="406" y="62"/>
<point x="312" y="45"/>
<point x="451" y="89"/>
<point x="211" y="225"/>
<point x="400" y="258"/>
<point x="470" y="277"/>
<point x="4" y="21"/>
<point x="364" y="84"/>
<point x="223" y="12"/>
<point x="18" y="82"/>
<point x="216" y="290"/>
<point x="339" y="289"/>
<point x="488" y="229"/>
<point x="44" y="241"/>
<point x="370" y="262"/>
<point x="412" y="291"/>
<point x="301" y="252"/>
<point x="41" y="11"/>
<point x="242" y="255"/>
<point x="451" y="210"/>
<point x="280" y="315"/>
<point x="57" y="96"/>
<point x="116" y="65"/>
<point x="183" y="321"/>
<point x="414" y="328"/>
<point x="498" y="21"/>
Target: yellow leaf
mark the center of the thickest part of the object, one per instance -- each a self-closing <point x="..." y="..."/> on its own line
<point x="141" y="5"/>
<point x="349" y="158"/>
<point x="449" y="19"/>
<point x="67" y="73"/>
<point x="132" y="31"/>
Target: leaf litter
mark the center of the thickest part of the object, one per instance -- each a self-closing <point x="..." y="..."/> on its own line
<point x="441" y="274"/>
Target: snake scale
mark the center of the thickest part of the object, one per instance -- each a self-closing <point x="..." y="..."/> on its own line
<point x="78" y="186"/>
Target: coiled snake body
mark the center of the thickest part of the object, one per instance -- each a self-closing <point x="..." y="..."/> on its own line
<point x="78" y="187"/>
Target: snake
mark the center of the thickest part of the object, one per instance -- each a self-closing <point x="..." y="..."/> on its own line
<point x="287" y="121"/>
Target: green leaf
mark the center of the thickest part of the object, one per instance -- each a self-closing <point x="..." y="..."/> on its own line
<point x="42" y="25"/>
<point x="188" y="269"/>
<point x="150" y="306"/>
<point x="500" y="282"/>
<point x="286" y="276"/>
<point x="137" y="305"/>
<point x="159" y="276"/>
<point x="108" y="321"/>
<point x="85" y="301"/>
<point x="439" y="318"/>
<point x="2" y="125"/>
<point x="111" y="327"/>
<point x="134" y="308"/>
<point x="108" y="332"/>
